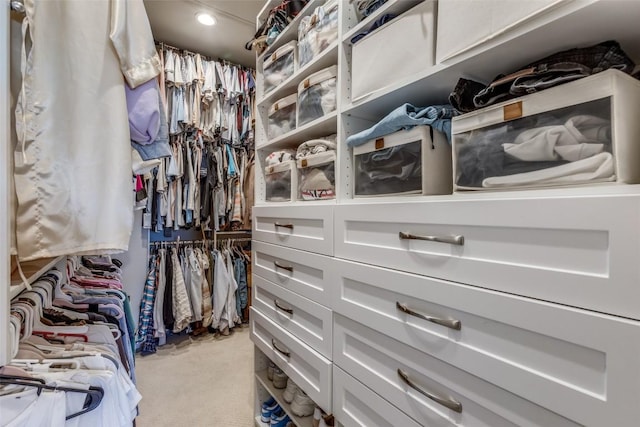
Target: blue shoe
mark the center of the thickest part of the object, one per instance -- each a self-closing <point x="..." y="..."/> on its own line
<point x="265" y="415"/>
<point x="268" y="403"/>
<point x="280" y="420"/>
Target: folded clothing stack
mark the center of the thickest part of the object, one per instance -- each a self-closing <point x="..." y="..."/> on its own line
<point x="316" y="162"/>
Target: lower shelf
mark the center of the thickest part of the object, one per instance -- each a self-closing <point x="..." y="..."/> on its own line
<point x="262" y="378"/>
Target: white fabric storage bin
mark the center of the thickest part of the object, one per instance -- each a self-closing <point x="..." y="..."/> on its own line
<point x="317" y="95"/>
<point x="466" y="24"/>
<point x="281" y="182"/>
<point x="317" y="31"/>
<point x="565" y="135"/>
<point x="280" y="65"/>
<point x="401" y="48"/>
<point x="317" y="176"/>
<point x="417" y="161"/>
<point x="282" y="116"/>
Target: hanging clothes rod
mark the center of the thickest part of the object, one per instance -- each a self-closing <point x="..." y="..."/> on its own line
<point x="17" y="6"/>
<point x="191" y="242"/>
<point x="164" y="45"/>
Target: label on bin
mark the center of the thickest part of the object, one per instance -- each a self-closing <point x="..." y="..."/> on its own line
<point x="379" y="143"/>
<point x="304" y="163"/>
<point x="512" y="111"/>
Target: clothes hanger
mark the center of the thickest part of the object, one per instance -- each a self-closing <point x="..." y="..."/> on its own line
<point x="94" y="394"/>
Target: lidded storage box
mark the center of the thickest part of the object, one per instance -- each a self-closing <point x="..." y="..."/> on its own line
<point x="317" y="95"/>
<point x="401" y="48"/>
<point x="317" y="31"/>
<point x="565" y="135"/>
<point x="317" y="176"/>
<point x="415" y="161"/>
<point x="282" y="116"/>
<point x="279" y="66"/>
<point x="281" y="182"/>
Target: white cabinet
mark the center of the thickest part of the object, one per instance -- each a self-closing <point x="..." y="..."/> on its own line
<point x="515" y="308"/>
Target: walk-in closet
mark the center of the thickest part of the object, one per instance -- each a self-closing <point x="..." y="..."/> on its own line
<point x="320" y="213"/>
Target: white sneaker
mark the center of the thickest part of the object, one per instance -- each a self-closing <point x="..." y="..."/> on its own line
<point x="302" y="404"/>
<point x="290" y="391"/>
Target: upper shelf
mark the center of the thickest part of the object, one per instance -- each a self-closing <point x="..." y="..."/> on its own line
<point x="545" y="35"/>
<point x="327" y="58"/>
<point x="394" y="7"/>
<point x="291" y="31"/>
<point x="32" y="270"/>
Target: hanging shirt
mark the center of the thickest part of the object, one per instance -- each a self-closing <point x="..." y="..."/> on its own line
<point x="73" y="160"/>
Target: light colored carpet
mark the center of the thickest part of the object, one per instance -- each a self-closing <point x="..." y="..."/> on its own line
<point x="198" y="382"/>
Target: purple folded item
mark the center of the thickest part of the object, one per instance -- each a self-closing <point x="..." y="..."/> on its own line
<point x="144" y="112"/>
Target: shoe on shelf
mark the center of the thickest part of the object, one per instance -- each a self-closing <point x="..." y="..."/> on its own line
<point x="269" y="402"/>
<point x="280" y="420"/>
<point x="302" y="404"/>
<point x="290" y="391"/>
<point x="279" y="379"/>
<point x="270" y="369"/>
<point x="269" y="410"/>
<point x="327" y="421"/>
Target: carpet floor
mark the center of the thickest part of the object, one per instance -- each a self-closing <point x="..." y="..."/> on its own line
<point x="198" y="382"/>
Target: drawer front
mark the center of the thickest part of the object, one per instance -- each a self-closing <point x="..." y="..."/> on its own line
<point x="354" y="405"/>
<point x="309" y="228"/>
<point x="456" y="397"/>
<point x="579" y="251"/>
<point x="308" y="369"/>
<point x="301" y="272"/>
<point x="307" y="320"/>
<point x="582" y="365"/>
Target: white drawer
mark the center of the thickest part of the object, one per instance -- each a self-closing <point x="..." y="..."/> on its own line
<point x="309" y="228"/>
<point x="308" y="369"/>
<point x="378" y="361"/>
<point x="305" y="319"/>
<point x="301" y="272"/>
<point x="580" y="251"/>
<point x="356" y="405"/>
<point x="582" y="365"/>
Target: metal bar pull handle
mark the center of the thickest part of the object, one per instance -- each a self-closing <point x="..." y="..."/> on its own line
<point x="452" y="240"/>
<point x="447" y="402"/>
<point x="282" y="266"/>
<point x="284" y="353"/>
<point x="289" y="226"/>
<point x="286" y="310"/>
<point x="449" y="323"/>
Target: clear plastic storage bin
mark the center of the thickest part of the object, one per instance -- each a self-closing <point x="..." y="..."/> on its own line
<point x="317" y="31"/>
<point x="279" y="66"/>
<point x="281" y="182"/>
<point x="317" y="95"/>
<point x="417" y="161"/>
<point x="317" y="176"/>
<point x="282" y="116"/>
<point x="401" y="48"/>
<point x="565" y="135"/>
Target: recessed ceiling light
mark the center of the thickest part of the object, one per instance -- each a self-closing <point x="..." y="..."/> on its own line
<point x="206" y="19"/>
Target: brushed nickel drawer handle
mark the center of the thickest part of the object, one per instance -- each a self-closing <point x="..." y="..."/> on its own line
<point x="452" y="240"/>
<point x="285" y="353"/>
<point x="289" y="226"/>
<point x="447" y="402"/>
<point x="282" y="266"/>
<point x="449" y="323"/>
<point x="286" y="310"/>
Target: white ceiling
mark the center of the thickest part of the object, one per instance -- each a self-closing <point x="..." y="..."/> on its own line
<point x="174" y="22"/>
